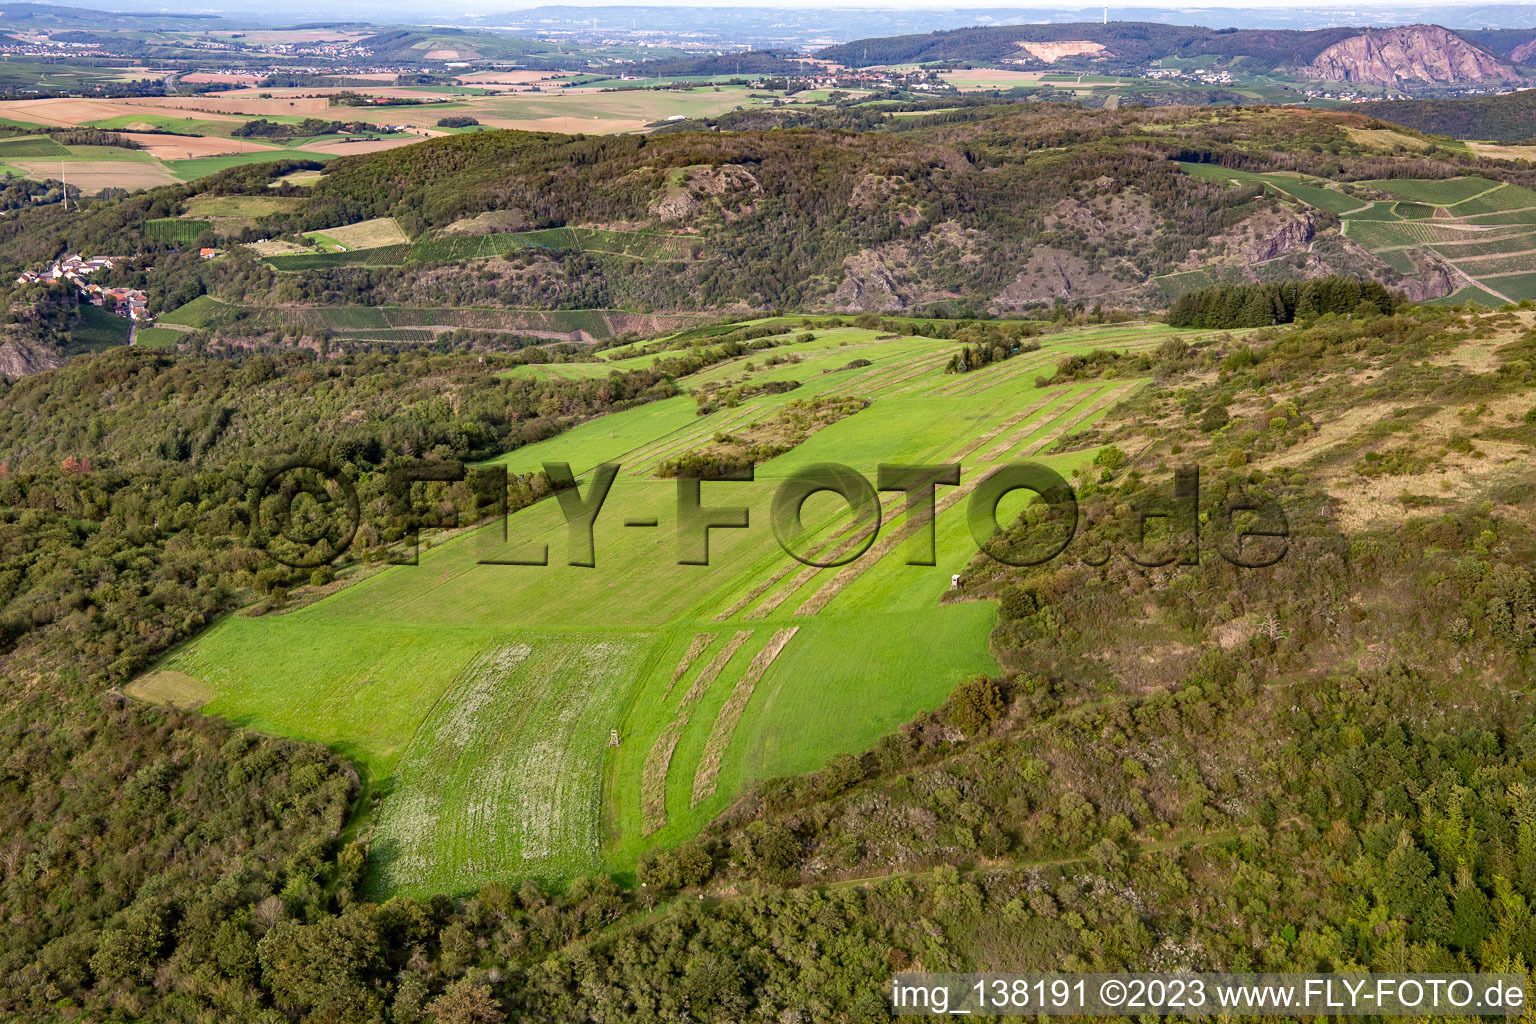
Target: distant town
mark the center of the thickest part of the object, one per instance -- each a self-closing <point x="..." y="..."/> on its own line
<point x="125" y="302"/>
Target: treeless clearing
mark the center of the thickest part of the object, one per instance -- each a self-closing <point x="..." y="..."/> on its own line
<point x="567" y="125"/>
<point x="177" y="689"/>
<point x="95" y="175"/>
<point x="187" y="147"/>
<point x="344" y="147"/>
<point x="203" y="77"/>
<point x="1495" y="151"/>
<point x="242" y="103"/>
<point x="300" y="35"/>
<point x="367" y="234"/>
<point x="68" y="111"/>
<point x="508" y="77"/>
<point x="310" y="92"/>
<point x="1385" y="138"/>
<point x="979" y="77"/>
<point x="273" y="248"/>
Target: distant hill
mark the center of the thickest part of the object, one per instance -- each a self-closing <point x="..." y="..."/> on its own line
<point x="1418" y="55"/>
<point x="1507" y="118"/>
<point x="1128" y="43"/>
<point x="47" y="16"/>
<point x="1513" y="44"/>
<point x="1409" y="56"/>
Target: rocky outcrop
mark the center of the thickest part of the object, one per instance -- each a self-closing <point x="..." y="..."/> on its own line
<point x="20" y="358"/>
<point x="1525" y="53"/>
<point x="728" y="188"/>
<point x="1433" y="278"/>
<point x="1266" y="235"/>
<point x="491" y="222"/>
<point x="1423" y="55"/>
<point x="868" y="286"/>
<point x="1053" y="273"/>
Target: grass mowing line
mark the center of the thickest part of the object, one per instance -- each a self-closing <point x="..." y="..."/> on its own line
<point x="872" y="378"/>
<point x="681" y="437"/>
<point x="889" y="543"/>
<point x="696" y="436"/>
<point x="658" y="760"/>
<point x="923" y="366"/>
<point x="845" y="543"/>
<point x="730" y="713"/>
<point x="838" y="537"/>
<point x="1018" y="445"/>
<point x="1051" y="409"/>
<point x="784" y="570"/>
<point x="696" y="648"/>
<point x="1009" y="374"/>
<point x="1102" y="403"/>
<point x="975" y="381"/>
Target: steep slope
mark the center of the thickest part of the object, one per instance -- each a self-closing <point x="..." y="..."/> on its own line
<point x="1408" y="56"/>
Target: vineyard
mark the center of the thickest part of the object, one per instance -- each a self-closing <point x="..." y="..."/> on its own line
<point x="549" y="721"/>
<point x="1485" y="229"/>
<point x="176" y="231"/>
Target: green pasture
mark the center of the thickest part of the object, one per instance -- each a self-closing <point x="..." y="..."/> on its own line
<point x="523" y="720"/>
<point x="202" y="311"/>
<point x="158" y="337"/>
<point x="201" y="167"/>
<point x="1516" y="286"/>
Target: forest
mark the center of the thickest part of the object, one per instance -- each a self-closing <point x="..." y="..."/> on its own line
<point x="1507" y="118"/>
<point x="1264" y="305"/>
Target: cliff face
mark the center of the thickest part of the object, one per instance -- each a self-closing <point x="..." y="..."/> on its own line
<point x="1413" y="55"/>
<point x="1525" y="53"/>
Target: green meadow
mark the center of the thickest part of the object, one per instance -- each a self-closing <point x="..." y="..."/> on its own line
<point x="551" y="720"/>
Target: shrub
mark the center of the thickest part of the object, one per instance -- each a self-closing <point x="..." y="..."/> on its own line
<point x="977" y="704"/>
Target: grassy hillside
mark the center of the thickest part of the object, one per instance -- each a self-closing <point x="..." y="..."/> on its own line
<point x="712" y="677"/>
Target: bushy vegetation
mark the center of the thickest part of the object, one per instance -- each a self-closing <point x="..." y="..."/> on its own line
<point x="1506" y="118"/>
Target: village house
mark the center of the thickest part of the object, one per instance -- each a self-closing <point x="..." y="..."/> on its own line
<point x="125" y="302"/>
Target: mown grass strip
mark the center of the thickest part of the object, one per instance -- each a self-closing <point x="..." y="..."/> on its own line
<point x="730" y="713"/>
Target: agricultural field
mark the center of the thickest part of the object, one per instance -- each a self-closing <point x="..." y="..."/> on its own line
<point x="1312" y="191"/>
<point x="551" y="720"/>
<point x="368" y="234"/>
<point x="203" y="311"/>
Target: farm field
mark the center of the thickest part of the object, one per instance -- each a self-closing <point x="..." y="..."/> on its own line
<point x="368" y="234"/>
<point x="482" y="699"/>
<point x="189" y="137"/>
